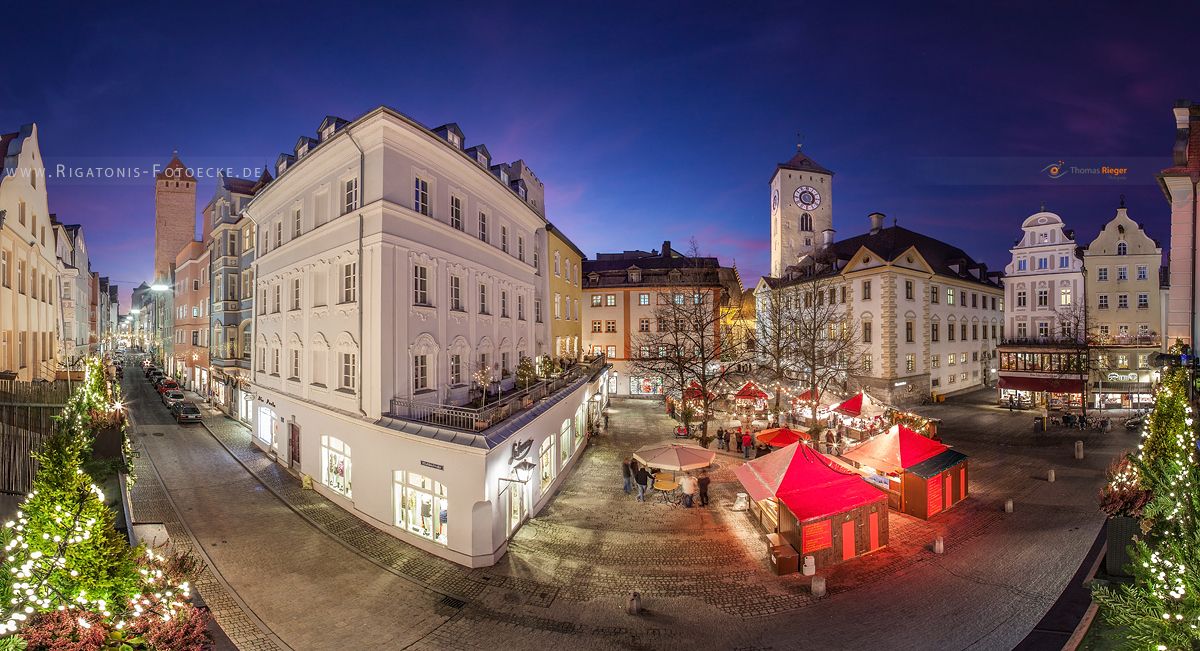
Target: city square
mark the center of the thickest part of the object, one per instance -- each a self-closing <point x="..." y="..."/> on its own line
<point x="298" y="351"/>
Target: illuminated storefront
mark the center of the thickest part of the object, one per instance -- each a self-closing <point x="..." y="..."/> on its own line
<point x="645" y="386"/>
<point x="1122" y="389"/>
<point x="1048" y="377"/>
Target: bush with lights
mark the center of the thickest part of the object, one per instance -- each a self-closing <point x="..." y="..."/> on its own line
<point x="1160" y="608"/>
<point x="67" y="575"/>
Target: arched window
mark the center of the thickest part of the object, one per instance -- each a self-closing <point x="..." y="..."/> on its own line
<point x="805" y="222"/>
<point x="1122" y="249"/>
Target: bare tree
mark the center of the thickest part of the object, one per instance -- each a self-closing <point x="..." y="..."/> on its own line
<point x="823" y="345"/>
<point x="777" y="343"/>
<point x="685" y="345"/>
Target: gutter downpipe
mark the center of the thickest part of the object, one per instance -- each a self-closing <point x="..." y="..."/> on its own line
<point x="362" y="177"/>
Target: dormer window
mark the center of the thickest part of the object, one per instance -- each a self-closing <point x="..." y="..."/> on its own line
<point x="454" y="139"/>
<point x="327" y="132"/>
<point x="302" y="150"/>
<point x="521" y="191"/>
<point x="1122" y="248"/>
<point x="635" y="275"/>
<point x="504" y="177"/>
<point x="483" y="159"/>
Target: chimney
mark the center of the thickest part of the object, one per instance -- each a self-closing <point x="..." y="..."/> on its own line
<point x="666" y="250"/>
<point x="827" y="237"/>
<point x="876" y="222"/>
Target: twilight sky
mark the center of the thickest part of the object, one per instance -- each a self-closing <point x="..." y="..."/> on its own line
<point x="647" y="121"/>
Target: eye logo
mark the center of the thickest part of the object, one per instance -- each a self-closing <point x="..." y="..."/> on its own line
<point x="1055" y="170"/>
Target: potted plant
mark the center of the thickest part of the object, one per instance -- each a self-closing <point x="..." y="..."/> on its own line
<point x="1122" y="499"/>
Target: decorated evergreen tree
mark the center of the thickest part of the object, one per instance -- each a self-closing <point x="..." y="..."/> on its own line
<point x="65" y="563"/>
<point x="1160" y="608"/>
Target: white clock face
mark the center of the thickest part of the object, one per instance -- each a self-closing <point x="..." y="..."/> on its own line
<point x="775" y="200"/>
<point x="807" y="197"/>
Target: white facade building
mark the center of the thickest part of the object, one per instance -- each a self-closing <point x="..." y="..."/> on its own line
<point x="395" y="269"/>
<point x="74" y="288"/>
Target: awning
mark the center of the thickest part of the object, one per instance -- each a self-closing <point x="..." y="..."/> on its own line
<point x="898" y="449"/>
<point x="1053" y="385"/>
<point x="750" y="391"/>
<point x="936" y="464"/>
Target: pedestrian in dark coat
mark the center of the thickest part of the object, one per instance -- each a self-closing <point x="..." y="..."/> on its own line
<point x="643" y="480"/>
<point x="739" y="442"/>
<point x="627" y="474"/>
<point x="704" y="482"/>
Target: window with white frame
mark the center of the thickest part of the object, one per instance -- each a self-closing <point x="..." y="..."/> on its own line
<point x="275" y="303"/>
<point x="349" y="282"/>
<point x="456" y="294"/>
<point x="483" y="227"/>
<point x="504" y="238"/>
<point x="275" y="361"/>
<point x="349" y="372"/>
<point x="421" y="196"/>
<point x="420" y="372"/>
<point x="521" y="248"/>
<point x="421" y="506"/>
<point x="483" y="299"/>
<point x="349" y="195"/>
<point x="1143" y="301"/>
<point x="295" y="364"/>
<point x="1143" y="272"/>
<point x="296" y="226"/>
<point x="1122" y="273"/>
<point x="295" y="293"/>
<point x="420" y="285"/>
<point x="456" y="369"/>
<point x="1064" y="296"/>
<point x="521" y="307"/>
<point x="335" y="467"/>
<point x="1102" y="273"/>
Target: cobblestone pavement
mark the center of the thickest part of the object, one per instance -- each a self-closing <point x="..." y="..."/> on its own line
<point x="703" y="572"/>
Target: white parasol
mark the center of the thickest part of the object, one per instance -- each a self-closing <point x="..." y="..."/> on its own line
<point x="672" y="456"/>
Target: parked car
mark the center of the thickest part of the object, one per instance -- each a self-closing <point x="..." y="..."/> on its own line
<point x="147" y="369"/>
<point x="172" y="396"/>
<point x="155" y="376"/>
<point x="185" y="411"/>
<point x="166" y="384"/>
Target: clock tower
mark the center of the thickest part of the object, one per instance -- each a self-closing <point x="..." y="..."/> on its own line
<point x="801" y="210"/>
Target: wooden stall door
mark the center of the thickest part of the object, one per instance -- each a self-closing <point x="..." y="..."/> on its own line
<point x="949" y="492"/>
<point x="962" y="483"/>
<point x="874" y="533"/>
<point x="933" y="496"/>
<point x="848" y="540"/>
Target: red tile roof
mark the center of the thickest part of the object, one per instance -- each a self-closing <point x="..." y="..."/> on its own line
<point x="175" y="171"/>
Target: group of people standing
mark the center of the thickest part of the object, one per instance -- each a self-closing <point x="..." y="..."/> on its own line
<point x="743" y="440"/>
<point x="636" y="475"/>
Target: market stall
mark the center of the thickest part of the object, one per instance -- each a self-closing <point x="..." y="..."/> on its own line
<point x="751" y="398"/>
<point x="921" y="477"/>
<point x="821" y="509"/>
<point x="778" y="437"/>
<point x="857" y="417"/>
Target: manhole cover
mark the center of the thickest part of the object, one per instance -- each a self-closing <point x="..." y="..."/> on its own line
<point x="452" y="602"/>
<point x="156" y="433"/>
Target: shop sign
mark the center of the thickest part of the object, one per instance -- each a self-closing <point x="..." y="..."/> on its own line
<point x="435" y="466"/>
<point x="816" y="536"/>
<point x="1114" y="376"/>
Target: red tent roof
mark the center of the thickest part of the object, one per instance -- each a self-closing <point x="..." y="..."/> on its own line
<point x="807" y="396"/>
<point x="694" y="392"/>
<point x="896" y="450"/>
<point x="779" y="437"/>
<point x="750" y="391"/>
<point x="806" y="481"/>
<point x="851" y="406"/>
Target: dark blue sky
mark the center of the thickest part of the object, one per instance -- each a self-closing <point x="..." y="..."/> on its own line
<point x="646" y="121"/>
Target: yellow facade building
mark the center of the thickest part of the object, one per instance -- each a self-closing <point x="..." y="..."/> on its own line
<point x="565" y="262"/>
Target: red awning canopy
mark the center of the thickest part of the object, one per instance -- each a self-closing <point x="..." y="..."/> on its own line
<point x="806" y="481"/>
<point x="807" y="396"/>
<point x="750" y="391"/>
<point x="1051" y="384"/>
<point x="851" y="406"/>
<point x="779" y="437"/>
<point x="896" y="450"/>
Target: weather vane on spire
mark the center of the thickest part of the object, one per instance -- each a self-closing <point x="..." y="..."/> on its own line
<point x="799" y="141"/>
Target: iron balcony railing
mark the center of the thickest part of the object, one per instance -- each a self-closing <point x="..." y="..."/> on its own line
<point x="477" y="419"/>
<point x="1147" y="340"/>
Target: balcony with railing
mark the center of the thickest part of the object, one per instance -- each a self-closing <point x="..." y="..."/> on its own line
<point x="1146" y="340"/>
<point x="478" y="419"/>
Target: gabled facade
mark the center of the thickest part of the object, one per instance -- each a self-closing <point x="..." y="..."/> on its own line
<point x="1125" y="313"/>
<point x="565" y="262"/>
<point x="29" y="296"/>
<point x="74" y="290"/>
<point x="1042" y="357"/>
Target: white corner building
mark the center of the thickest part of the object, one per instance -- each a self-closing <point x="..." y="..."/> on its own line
<point x="397" y="273"/>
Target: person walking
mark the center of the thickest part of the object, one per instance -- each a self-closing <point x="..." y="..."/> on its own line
<point x="606" y="421"/>
<point x="747" y="445"/>
<point x="690" y="488"/>
<point x="627" y="474"/>
<point x="643" y="480"/>
<point x="702" y="485"/>
<point x="739" y="439"/>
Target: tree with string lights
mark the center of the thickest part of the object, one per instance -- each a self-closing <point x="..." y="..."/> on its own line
<point x="1160" y="608"/>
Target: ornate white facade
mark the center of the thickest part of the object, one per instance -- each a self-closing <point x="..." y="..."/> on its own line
<point x="393" y="266"/>
<point x="1044" y="280"/>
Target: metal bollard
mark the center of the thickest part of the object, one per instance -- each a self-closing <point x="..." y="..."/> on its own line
<point x="1008" y="507"/>
<point x="818" y="586"/>
<point x="1050" y="476"/>
<point x="1078" y="449"/>
<point x="634" y="605"/>
<point x="810" y="566"/>
<point x="939" y="547"/>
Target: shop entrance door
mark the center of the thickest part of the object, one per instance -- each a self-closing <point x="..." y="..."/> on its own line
<point x="847" y="540"/>
<point x="948" y="493"/>
<point x="516" y="507"/>
<point x="293" y="446"/>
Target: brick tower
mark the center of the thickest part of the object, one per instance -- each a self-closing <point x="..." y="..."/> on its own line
<point x="174" y="215"/>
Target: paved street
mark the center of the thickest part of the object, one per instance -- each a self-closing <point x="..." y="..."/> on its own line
<point x="320" y="578"/>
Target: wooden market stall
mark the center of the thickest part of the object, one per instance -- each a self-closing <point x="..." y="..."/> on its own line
<point x="819" y="508"/>
<point x="921" y="477"/>
<point x="751" y="398"/>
